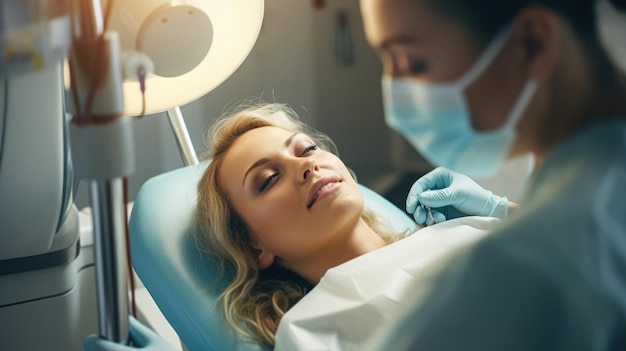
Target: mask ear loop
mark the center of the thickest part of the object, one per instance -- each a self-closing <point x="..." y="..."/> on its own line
<point x="485" y="60"/>
<point x="522" y="102"/>
<point x="487" y="57"/>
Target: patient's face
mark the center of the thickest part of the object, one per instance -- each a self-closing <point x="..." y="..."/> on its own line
<point x="296" y="199"/>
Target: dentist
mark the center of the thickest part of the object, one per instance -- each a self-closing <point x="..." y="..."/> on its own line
<point x="470" y="84"/>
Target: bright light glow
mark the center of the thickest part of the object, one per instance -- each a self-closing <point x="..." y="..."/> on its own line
<point x="235" y="23"/>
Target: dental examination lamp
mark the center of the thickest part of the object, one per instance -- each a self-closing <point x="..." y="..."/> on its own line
<point x="102" y="63"/>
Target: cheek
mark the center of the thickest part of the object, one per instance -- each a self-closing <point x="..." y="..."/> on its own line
<point x="493" y="95"/>
<point x="352" y="197"/>
<point x="269" y="218"/>
<point x="343" y="170"/>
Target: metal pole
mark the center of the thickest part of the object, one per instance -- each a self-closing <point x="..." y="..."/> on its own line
<point x="185" y="147"/>
<point x="110" y="252"/>
<point x="103" y="151"/>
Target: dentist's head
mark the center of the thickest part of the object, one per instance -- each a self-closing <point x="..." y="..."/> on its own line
<point x="470" y="83"/>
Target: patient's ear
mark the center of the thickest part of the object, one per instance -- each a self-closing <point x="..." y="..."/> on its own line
<point x="263" y="258"/>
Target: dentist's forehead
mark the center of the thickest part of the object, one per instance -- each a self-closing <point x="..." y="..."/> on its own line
<point x="387" y="21"/>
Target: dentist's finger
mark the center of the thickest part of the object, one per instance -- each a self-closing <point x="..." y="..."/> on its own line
<point x="420" y="215"/>
<point x="439" y="217"/>
<point x="437" y="198"/>
<point x="411" y="199"/>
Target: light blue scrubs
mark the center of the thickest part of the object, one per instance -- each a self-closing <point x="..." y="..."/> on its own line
<point x="553" y="277"/>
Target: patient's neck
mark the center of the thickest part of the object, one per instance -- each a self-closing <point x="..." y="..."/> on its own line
<point x="358" y="240"/>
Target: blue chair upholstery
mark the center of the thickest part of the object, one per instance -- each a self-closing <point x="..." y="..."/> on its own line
<point x="180" y="278"/>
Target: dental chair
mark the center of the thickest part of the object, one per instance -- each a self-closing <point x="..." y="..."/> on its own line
<point x="182" y="279"/>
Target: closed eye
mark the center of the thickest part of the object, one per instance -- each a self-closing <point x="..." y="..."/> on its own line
<point x="308" y="149"/>
<point x="267" y="182"/>
<point x="417" y="67"/>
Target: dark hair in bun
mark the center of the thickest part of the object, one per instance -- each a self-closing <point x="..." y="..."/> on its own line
<point x="487" y="17"/>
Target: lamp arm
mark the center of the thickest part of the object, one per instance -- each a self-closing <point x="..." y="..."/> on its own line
<point x="185" y="147"/>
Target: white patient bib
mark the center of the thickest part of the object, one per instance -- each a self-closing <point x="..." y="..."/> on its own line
<point x="358" y="296"/>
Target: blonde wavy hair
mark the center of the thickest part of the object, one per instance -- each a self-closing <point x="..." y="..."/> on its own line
<point x="254" y="301"/>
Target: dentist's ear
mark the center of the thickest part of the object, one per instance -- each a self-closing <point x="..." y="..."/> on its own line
<point x="541" y="33"/>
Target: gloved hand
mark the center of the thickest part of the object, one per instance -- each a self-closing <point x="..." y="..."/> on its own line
<point x="451" y="195"/>
<point x="141" y="337"/>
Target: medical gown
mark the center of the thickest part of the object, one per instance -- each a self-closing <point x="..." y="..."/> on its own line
<point x="355" y="298"/>
<point x="552" y="278"/>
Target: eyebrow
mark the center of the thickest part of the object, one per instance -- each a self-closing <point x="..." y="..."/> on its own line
<point x="264" y="160"/>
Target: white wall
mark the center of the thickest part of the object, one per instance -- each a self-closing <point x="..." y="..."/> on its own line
<point x="348" y="97"/>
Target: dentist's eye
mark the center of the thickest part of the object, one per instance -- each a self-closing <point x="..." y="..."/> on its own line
<point x="309" y="149"/>
<point x="268" y="182"/>
<point x="417" y="67"/>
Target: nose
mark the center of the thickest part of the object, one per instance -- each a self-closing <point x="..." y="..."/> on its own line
<point x="390" y="65"/>
<point x="308" y="166"/>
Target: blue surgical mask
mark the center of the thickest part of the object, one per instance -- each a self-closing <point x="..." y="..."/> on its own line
<point x="435" y="118"/>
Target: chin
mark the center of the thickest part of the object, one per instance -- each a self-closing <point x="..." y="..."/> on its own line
<point x="348" y="205"/>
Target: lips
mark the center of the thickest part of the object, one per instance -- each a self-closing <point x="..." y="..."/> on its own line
<point x="319" y="186"/>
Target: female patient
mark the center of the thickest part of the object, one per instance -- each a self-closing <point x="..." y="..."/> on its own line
<point x="282" y="209"/>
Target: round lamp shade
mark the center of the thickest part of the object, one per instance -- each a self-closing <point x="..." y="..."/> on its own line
<point x="192" y="46"/>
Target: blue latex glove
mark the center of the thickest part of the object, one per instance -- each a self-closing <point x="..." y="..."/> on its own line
<point x="452" y="195"/>
<point x="141" y="337"/>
